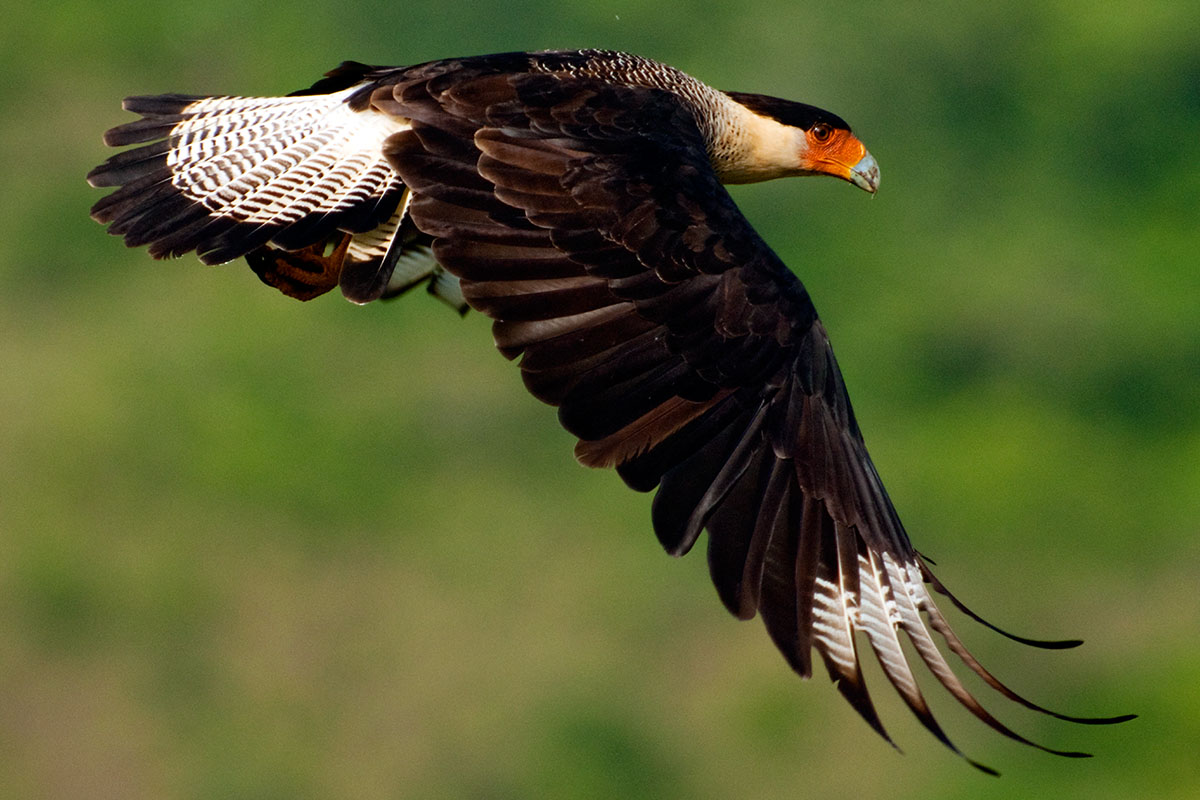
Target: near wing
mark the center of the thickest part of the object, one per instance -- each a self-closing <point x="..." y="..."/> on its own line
<point x="587" y="221"/>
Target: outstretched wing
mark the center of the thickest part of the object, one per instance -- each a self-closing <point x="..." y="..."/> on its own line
<point x="586" y="220"/>
<point x="225" y="175"/>
<point x="296" y="184"/>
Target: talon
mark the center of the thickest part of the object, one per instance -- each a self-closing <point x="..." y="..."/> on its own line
<point x="302" y="274"/>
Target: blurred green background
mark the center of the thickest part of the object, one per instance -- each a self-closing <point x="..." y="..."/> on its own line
<point x="252" y="548"/>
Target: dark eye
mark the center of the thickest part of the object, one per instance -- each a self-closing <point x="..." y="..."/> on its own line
<point x="821" y="132"/>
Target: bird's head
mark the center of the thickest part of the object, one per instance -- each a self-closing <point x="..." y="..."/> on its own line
<point x="785" y="138"/>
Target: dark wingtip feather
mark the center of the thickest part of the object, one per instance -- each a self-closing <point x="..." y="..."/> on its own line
<point x="159" y="104"/>
<point x="1102" y="720"/>
<point x="130" y="165"/>
<point x="343" y="76"/>
<point x="95" y="176"/>
<point x="939" y="624"/>
<point x="1045" y="644"/>
<point x="138" y="131"/>
<point x="984" y="768"/>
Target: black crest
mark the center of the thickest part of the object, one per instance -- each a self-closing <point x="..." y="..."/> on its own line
<point x="798" y="115"/>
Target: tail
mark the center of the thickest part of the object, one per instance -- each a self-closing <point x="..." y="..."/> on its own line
<point x="299" y="185"/>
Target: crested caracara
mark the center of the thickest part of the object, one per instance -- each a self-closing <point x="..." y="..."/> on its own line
<point x="577" y="198"/>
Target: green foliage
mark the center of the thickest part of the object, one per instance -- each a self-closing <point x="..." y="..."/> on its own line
<point x="253" y="548"/>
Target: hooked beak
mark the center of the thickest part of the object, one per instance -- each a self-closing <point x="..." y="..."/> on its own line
<point x="865" y="174"/>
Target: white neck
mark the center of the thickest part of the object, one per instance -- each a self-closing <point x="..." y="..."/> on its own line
<point x="748" y="147"/>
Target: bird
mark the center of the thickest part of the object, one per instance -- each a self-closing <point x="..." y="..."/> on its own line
<point x="577" y="198"/>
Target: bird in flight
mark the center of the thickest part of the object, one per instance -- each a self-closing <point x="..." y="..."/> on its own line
<point x="577" y="198"/>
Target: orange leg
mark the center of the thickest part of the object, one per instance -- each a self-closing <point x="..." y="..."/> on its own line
<point x="302" y="274"/>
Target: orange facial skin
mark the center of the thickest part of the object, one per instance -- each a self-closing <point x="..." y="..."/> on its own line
<point x="838" y="152"/>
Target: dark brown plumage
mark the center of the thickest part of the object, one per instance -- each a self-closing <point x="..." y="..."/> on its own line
<point x="577" y="197"/>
